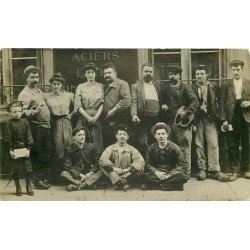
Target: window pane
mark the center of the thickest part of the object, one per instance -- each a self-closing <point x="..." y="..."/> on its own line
<point x="162" y="62"/>
<point x="17" y="53"/>
<point x="211" y="60"/>
<point x="167" y="50"/>
<point x="18" y="67"/>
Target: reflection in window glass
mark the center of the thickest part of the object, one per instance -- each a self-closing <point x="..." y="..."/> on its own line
<point x="18" y="67"/>
<point x="211" y="60"/>
<point x="18" y="53"/>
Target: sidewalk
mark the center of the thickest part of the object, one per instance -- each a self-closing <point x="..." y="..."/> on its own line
<point x="193" y="191"/>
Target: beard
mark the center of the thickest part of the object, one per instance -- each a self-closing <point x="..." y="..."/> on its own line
<point x="108" y="79"/>
<point x="173" y="81"/>
<point x="148" y="78"/>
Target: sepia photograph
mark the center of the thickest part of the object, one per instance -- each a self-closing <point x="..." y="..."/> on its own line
<point x="124" y="124"/>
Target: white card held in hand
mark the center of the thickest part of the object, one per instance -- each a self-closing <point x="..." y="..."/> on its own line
<point x="20" y="153"/>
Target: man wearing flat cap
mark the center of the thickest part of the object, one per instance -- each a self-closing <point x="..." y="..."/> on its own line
<point x="165" y="166"/>
<point x="36" y="110"/>
<point x="120" y="162"/>
<point x="235" y="111"/>
<point x="145" y="106"/>
<point x="206" y="119"/>
<point x="181" y="103"/>
<point x="117" y="100"/>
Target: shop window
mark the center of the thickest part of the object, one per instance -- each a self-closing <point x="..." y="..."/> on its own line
<point x="208" y="57"/>
<point x="164" y="58"/>
<point x="22" y="58"/>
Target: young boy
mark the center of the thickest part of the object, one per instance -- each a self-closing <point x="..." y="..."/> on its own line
<point x="17" y="135"/>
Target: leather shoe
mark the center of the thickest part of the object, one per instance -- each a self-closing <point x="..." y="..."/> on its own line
<point x="202" y="175"/>
<point x="220" y="176"/>
<point x="72" y="187"/>
<point x="29" y="190"/>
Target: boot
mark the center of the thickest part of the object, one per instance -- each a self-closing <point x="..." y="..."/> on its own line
<point x="29" y="190"/>
<point x="202" y="175"/>
<point x="18" y="188"/>
<point x="220" y="176"/>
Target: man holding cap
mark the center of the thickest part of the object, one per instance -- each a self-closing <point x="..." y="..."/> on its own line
<point x="38" y="113"/>
<point x="117" y="100"/>
<point x="235" y="111"/>
<point x="180" y="99"/>
<point x="165" y="164"/>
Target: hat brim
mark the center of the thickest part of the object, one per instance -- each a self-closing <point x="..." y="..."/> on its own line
<point x="160" y="126"/>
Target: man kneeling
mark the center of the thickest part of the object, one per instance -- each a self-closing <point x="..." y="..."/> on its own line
<point x="120" y="162"/>
<point x="81" y="162"/>
<point x="165" y="165"/>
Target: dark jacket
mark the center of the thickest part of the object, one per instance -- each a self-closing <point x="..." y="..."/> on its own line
<point x="81" y="160"/>
<point x="186" y="97"/>
<point x="228" y="100"/>
<point x="169" y="160"/>
<point x="138" y="97"/>
<point x="213" y="98"/>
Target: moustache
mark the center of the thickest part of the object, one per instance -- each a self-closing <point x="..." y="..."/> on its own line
<point x="148" y="78"/>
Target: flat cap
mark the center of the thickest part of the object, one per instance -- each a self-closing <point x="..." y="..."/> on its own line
<point x="236" y="63"/>
<point x="174" y="70"/>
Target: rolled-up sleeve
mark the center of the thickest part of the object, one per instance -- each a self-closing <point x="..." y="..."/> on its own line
<point x="125" y="95"/>
<point x="105" y="161"/>
<point x="138" y="161"/>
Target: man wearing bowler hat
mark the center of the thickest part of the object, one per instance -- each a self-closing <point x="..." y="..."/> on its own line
<point x="181" y="103"/>
<point x="235" y="118"/>
<point x="165" y="166"/>
<point x="38" y="113"/>
<point x="206" y="119"/>
<point x="117" y="100"/>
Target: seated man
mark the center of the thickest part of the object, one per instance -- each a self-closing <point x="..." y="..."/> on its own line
<point x="121" y="162"/>
<point x="81" y="162"/>
<point x="165" y="164"/>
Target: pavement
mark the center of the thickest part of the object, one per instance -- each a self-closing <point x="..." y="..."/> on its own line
<point x="208" y="190"/>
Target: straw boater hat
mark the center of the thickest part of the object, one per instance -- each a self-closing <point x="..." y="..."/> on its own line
<point x="160" y="125"/>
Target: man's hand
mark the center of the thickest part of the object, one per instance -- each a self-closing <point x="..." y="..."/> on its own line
<point x="183" y="115"/>
<point x="12" y="155"/>
<point x="225" y="123"/>
<point x="88" y="175"/>
<point x="83" y="177"/>
<point x="160" y="175"/>
<point x="245" y="104"/>
<point x="38" y="108"/>
<point x="111" y="112"/>
<point x="136" y="119"/>
<point x="28" y="154"/>
<point x="194" y="129"/>
<point x="118" y="170"/>
<point x="164" y="107"/>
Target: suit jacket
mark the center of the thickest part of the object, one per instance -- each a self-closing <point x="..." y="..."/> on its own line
<point x="138" y="97"/>
<point x="213" y="98"/>
<point x="228" y="100"/>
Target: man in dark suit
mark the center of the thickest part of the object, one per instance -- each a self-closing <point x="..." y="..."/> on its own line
<point x="206" y="119"/>
<point x="145" y="106"/>
<point x="235" y="111"/>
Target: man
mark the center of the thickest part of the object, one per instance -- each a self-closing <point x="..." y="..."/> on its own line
<point x="36" y="110"/>
<point x="81" y="162"/>
<point x="177" y="96"/>
<point x="145" y="106"/>
<point x="206" y="118"/>
<point x="117" y="100"/>
<point x="120" y="162"/>
<point x="165" y="164"/>
<point x="235" y="111"/>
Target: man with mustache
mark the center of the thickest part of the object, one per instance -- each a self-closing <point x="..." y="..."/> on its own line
<point x="178" y="94"/>
<point x="235" y="111"/>
<point x="117" y="100"/>
<point x="145" y="106"/>
<point x="38" y="113"/>
<point x="206" y="119"/>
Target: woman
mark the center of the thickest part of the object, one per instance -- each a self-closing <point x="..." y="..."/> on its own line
<point x="89" y="98"/>
<point x="59" y="104"/>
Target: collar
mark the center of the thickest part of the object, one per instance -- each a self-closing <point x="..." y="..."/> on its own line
<point x="126" y="148"/>
<point x="75" y="147"/>
<point x="32" y="91"/>
<point x="113" y="84"/>
<point x="148" y="83"/>
<point x="163" y="147"/>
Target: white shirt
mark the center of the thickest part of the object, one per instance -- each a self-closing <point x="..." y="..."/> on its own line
<point x="238" y="88"/>
<point x="150" y="91"/>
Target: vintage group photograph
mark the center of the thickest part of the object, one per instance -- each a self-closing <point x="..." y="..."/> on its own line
<point x="124" y="124"/>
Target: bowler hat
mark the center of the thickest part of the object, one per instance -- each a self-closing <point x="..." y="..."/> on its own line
<point x="121" y="127"/>
<point x="174" y="70"/>
<point x="183" y="122"/>
<point x="15" y="103"/>
<point x="160" y="125"/>
<point x="57" y="77"/>
<point x="30" y="69"/>
<point x="201" y="67"/>
<point x="90" y="66"/>
<point x="236" y="63"/>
